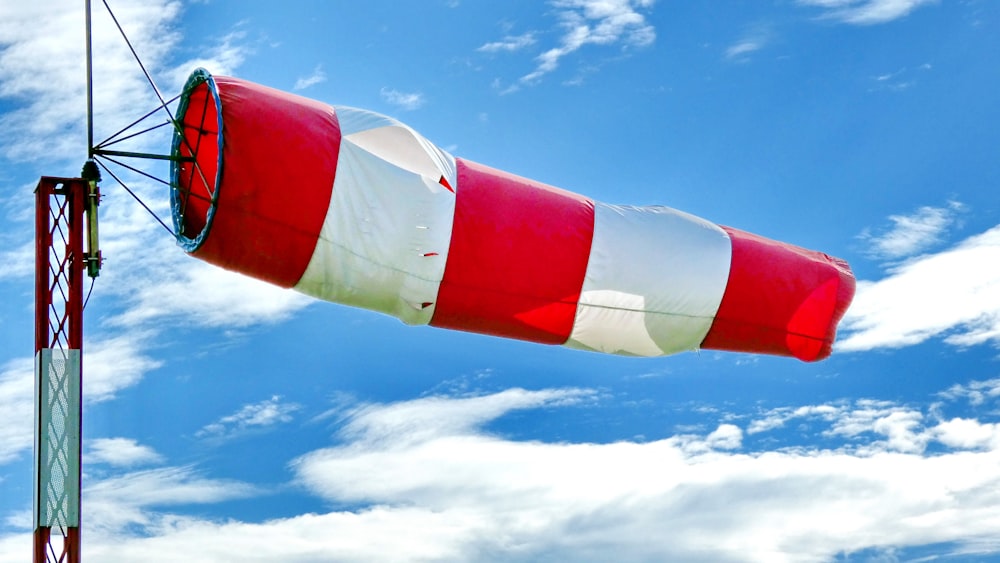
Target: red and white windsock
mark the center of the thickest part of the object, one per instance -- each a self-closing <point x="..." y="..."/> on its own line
<point x="356" y="208"/>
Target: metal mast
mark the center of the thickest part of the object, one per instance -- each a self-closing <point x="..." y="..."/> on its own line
<point x="61" y="204"/>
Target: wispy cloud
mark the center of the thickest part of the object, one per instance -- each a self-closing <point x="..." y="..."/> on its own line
<point x="120" y="452"/>
<point x="404" y="100"/>
<point x="223" y="56"/>
<point x="743" y="48"/>
<point x="42" y="47"/>
<point x="898" y="428"/>
<point x="866" y="12"/>
<point x="509" y="43"/>
<point x="20" y="261"/>
<point x="912" y="233"/>
<point x="586" y="22"/>
<point x="589" y="502"/>
<point x="429" y="474"/>
<point x="895" y="427"/>
<point x="593" y="22"/>
<point x="683" y="480"/>
<point x="206" y="295"/>
<point x="752" y="40"/>
<point x="317" y="77"/>
<point x="725" y="437"/>
<point x="124" y="503"/>
<point x="146" y="279"/>
<point x="127" y="501"/>
<point x="165" y="486"/>
<point x="415" y="420"/>
<point x="113" y="364"/>
<point x="117" y="362"/>
<point x="955" y="293"/>
<point x="254" y="416"/>
<point x="975" y="392"/>
<point x="898" y="81"/>
<point x="16" y="393"/>
<point x="777" y="418"/>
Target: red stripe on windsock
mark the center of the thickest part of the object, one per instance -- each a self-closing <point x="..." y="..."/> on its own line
<point x="284" y="145"/>
<point x="517" y="259"/>
<point x="780" y="299"/>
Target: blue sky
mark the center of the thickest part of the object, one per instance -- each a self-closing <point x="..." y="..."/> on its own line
<point x="225" y="416"/>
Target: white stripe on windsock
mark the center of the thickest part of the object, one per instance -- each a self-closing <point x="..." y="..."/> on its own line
<point x="384" y="243"/>
<point x="654" y="281"/>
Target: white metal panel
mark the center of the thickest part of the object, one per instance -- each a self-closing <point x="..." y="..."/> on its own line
<point x="57" y="446"/>
<point x="654" y="281"/>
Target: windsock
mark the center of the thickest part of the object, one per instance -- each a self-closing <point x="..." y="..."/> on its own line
<point x="356" y="208"/>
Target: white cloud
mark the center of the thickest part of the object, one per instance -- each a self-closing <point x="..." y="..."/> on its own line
<point x="416" y="535"/>
<point x="509" y="43"/>
<point x="164" y="487"/>
<point x="404" y="100"/>
<point x="146" y="279"/>
<point x="116" y="504"/>
<point x="754" y="39"/>
<point x="725" y="437"/>
<point x="445" y="489"/>
<point x="120" y="452"/>
<point x="253" y="416"/>
<point x="898" y="81"/>
<point x="429" y="475"/>
<point x="222" y="57"/>
<point x="912" y="233"/>
<point x="317" y="77"/>
<point x="414" y="420"/>
<point x="593" y="502"/>
<point x="954" y="293"/>
<point x="18" y="520"/>
<point x="899" y="425"/>
<point x="115" y="363"/>
<point x="966" y="433"/>
<point x="975" y="392"/>
<point x="743" y="47"/>
<point x="39" y="51"/>
<point x="19" y="262"/>
<point x="593" y="22"/>
<point x="869" y="426"/>
<point x="896" y="428"/>
<point x="202" y="295"/>
<point x="17" y="389"/>
<point x="777" y="418"/>
<point x="866" y="12"/>
<point x="43" y="46"/>
<point x="109" y="366"/>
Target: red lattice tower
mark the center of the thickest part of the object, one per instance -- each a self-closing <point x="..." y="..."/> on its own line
<point x="60" y="261"/>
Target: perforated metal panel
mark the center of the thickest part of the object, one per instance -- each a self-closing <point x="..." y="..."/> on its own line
<point x="57" y="415"/>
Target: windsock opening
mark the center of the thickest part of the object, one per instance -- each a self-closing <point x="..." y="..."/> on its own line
<point x="196" y="167"/>
<point x="252" y="175"/>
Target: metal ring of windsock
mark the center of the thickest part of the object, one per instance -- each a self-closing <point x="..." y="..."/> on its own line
<point x="356" y="208"/>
